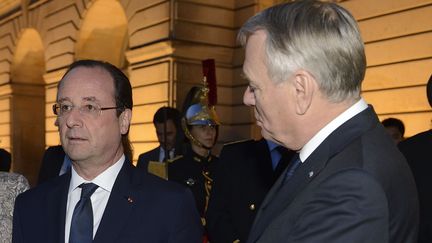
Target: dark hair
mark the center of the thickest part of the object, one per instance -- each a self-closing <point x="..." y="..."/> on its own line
<point x="189" y="99"/>
<point x="429" y="90"/>
<point x="5" y="160"/>
<point x="122" y="92"/>
<point x="394" y="122"/>
<point x="165" y="113"/>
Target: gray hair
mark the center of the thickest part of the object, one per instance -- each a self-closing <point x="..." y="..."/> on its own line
<point x="321" y="38"/>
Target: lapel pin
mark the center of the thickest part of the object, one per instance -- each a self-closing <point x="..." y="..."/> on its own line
<point x="311" y="173"/>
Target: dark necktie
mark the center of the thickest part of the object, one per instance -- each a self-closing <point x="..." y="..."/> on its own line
<point x="286" y="157"/>
<point x="293" y="165"/>
<point x="81" y="230"/>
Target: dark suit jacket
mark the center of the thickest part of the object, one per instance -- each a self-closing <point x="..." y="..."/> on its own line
<point x="160" y="211"/>
<point x="243" y="178"/>
<point x="52" y="162"/>
<point x="355" y="187"/>
<point x="418" y="152"/>
<point x="144" y="158"/>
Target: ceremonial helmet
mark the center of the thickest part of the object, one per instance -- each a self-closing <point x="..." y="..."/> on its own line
<point x="199" y="104"/>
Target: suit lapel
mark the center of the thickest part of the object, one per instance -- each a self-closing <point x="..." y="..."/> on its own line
<point x="120" y="205"/>
<point x="57" y="200"/>
<point x="282" y="194"/>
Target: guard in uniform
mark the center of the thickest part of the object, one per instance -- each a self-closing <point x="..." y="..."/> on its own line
<point x="196" y="167"/>
<point x="246" y="172"/>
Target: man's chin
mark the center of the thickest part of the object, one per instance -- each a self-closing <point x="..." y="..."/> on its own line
<point x="267" y="136"/>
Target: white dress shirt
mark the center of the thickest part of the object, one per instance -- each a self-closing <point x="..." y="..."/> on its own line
<point x="316" y="140"/>
<point x="99" y="198"/>
<point x="162" y="154"/>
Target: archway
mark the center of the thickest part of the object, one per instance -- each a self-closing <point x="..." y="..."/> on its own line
<point x="28" y="104"/>
<point x="103" y="38"/>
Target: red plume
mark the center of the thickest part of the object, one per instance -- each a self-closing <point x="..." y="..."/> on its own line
<point x="209" y="71"/>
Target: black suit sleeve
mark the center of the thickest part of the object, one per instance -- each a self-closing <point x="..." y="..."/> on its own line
<point x="186" y="221"/>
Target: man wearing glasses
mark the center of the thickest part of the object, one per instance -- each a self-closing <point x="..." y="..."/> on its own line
<point x="103" y="198"/>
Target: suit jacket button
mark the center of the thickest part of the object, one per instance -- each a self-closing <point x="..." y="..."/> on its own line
<point x="252" y="207"/>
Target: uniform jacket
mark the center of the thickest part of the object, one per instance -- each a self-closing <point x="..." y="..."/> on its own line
<point x="152" y="155"/>
<point x="144" y="158"/>
<point x="243" y="178"/>
<point x="141" y="208"/>
<point x="355" y="187"/>
<point x="196" y="173"/>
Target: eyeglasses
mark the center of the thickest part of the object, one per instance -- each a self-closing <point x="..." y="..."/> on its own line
<point x="91" y="110"/>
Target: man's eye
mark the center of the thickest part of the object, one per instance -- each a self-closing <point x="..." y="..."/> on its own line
<point x="251" y="89"/>
<point x="65" y="108"/>
<point x="90" y="107"/>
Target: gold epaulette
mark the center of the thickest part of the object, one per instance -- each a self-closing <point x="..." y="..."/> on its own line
<point x="238" y="141"/>
<point x="159" y="169"/>
<point x="175" y="158"/>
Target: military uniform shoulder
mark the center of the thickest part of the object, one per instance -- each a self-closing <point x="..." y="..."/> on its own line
<point x="177" y="158"/>
<point x="244" y="141"/>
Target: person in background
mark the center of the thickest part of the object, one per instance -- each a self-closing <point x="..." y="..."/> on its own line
<point x="11" y="185"/>
<point x="195" y="169"/>
<point x="246" y="172"/>
<point x="54" y="163"/>
<point x="103" y="198"/>
<point x="395" y="128"/>
<point x="167" y="124"/>
<point x="5" y="160"/>
<point x="418" y="151"/>
<point x="305" y="62"/>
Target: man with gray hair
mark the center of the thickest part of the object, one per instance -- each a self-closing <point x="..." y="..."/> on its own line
<point x="305" y="62"/>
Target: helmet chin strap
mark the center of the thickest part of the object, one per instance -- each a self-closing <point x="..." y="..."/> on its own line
<point x="191" y="137"/>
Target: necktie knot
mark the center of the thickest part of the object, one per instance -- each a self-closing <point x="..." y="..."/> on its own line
<point x="87" y="189"/>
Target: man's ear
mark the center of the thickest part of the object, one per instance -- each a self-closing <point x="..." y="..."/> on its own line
<point x="125" y="120"/>
<point x="305" y="86"/>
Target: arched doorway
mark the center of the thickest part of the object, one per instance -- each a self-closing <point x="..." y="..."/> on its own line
<point x="103" y="38"/>
<point x="28" y="104"/>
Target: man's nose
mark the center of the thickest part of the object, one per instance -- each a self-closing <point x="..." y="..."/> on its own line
<point x="248" y="97"/>
<point x="73" y="118"/>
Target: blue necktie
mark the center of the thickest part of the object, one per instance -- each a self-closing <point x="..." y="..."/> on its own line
<point x="81" y="230"/>
<point x="293" y="165"/>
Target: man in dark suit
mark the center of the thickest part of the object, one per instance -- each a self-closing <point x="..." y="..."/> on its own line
<point x="167" y="124"/>
<point x="417" y="151"/>
<point x="103" y="198"/>
<point x="54" y="163"/>
<point x="305" y="62"/>
<point x="246" y="172"/>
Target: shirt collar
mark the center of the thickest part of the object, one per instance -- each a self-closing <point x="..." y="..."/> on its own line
<point x="105" y="180"/>
<point x="316" y="140"/>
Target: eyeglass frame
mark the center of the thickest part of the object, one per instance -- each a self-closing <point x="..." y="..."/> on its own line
<point x="57" y="105"/>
